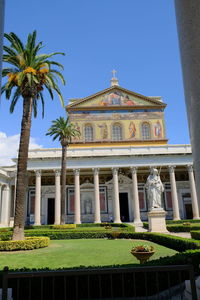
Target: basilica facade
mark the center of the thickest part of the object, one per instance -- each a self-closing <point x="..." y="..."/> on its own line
<point x="122" y="136"/>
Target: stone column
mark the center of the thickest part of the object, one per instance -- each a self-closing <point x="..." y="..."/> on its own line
<point x="175" y="205"/>
<point x="14" y="196"/>
<point x="5" y="207"/>
<point x="116" y="207"/>
<point x="38" y="198"/>
<point x="77" y="205"/>
<point x="188" y="24"/>
<point x="57" y="198"/>
<point x="135" y="202"/>
<point x="195" y="208"/>
<point x="97" y="211"/>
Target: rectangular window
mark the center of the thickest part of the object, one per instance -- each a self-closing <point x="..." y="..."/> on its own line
<point x="117" y="133"/>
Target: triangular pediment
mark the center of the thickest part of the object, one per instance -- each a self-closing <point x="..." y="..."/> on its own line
<point x="114" y="97"/>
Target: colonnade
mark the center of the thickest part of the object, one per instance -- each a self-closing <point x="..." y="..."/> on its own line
<point x="116" y="203"/>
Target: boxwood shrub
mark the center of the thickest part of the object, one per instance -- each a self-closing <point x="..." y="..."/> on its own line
<point x="179" y="227"/>
<point x="195" y="234"/>
<point x="64" y="226"/>
<point x="177" y="243"/>
<point x="29" y="243"/>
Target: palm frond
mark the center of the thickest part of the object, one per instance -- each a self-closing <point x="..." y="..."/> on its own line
<point x="59" y="75"/>
<point x="14" y="100"/>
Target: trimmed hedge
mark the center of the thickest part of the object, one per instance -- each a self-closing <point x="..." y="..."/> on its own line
<point x="179" y="227"/>
<point x="62" y="235"/>
<point x="29" y="243"/>
<point x="191" y="257"/>
<point x="182" y="221"/>
<point x="177" y="243"/>
<point x="195" y="235"/>
<point x="65" y="226"/>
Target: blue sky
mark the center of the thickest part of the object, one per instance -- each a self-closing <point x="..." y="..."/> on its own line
<point x="136" y="37"/>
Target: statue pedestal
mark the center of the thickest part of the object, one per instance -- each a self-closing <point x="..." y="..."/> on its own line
<point x="156" y="218"/>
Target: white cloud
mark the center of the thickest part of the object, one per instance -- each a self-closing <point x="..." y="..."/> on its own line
<point x="9" y="147"/>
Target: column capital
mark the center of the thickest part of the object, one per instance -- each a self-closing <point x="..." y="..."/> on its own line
<point x="76" y="171"/>
<point x="57" y="172"/>
<point x="171" y="169"/>
<point x="95" y="171"/>
<point x="6" y="187"/>
<point x="190" y="168"/>
<point x="38" y="173"/>
<point x="134" y="170"/>
<point x="115" y="171"/>
<point x="14" y="174"/>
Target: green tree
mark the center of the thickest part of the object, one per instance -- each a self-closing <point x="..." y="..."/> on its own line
<point x="64" y="131"/>
<point x="28" y="73"/>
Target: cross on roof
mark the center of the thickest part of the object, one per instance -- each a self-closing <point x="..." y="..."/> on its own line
<point x="114" y="72"/>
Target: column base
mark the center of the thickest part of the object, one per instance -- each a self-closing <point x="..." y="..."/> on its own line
<point x="117" y="221"/>
<point x="97" y="221"/>
<point x="196" y="218"/>
<point x="176" y="219"/>
<point x="138" y="223"/>
<point x="78" y="222"/>
<point x="37" y="224"/>
<point x="57" y="223"/>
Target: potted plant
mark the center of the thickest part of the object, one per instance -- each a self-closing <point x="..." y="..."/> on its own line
<point x="143" y="252"/>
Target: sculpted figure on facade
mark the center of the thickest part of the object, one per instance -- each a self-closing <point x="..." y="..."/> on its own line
<point x="154" y="189"/>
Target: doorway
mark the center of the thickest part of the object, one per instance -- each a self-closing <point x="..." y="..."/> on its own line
<point x="188" y="211"/>
<point x="124" y="211"/>
<point x="51" y="211"/>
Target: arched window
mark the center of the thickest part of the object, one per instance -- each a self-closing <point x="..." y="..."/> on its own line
<point x="146" y="133"/>
<point x="117" y="132"/>
<point x="88" y="133"/>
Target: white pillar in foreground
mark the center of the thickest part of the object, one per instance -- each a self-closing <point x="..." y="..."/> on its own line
<point x="77" y="206"/>
<point x="188" y="24"/>
<point x="195" y="208"/>
<point x="116" y="206"/>
<point x="176" y="215"/>
<point x="135" y="201"/>
<point x="97" y="211"/>
<point x="5" y="212"/>
<point x="38" y="198"/>
<point x="57" y="198"/>
<point x="0" y="201"/>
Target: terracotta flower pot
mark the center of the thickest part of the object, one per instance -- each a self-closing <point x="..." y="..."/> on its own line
<point x="142" y="256"/>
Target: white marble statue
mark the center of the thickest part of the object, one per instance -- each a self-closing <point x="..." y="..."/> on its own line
<point x="154" y="189"/>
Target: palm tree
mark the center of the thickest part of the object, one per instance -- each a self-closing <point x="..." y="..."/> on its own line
<point x="63" y="130"/>
<point x="28" y="74"/>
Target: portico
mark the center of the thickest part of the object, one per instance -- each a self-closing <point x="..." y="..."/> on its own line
<point x="113" y="190"/>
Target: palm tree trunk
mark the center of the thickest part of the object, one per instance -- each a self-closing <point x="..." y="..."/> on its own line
<point x="19" y="219"/>
<point x="63" y="183"/>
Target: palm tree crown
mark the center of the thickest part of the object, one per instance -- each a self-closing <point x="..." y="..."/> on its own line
<point x="63" y="130"/>
<point x="27" y="75"/>
<point x="30" y="72"/>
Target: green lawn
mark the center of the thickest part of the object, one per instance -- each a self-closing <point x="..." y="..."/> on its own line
<point x="71" y="253"/>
